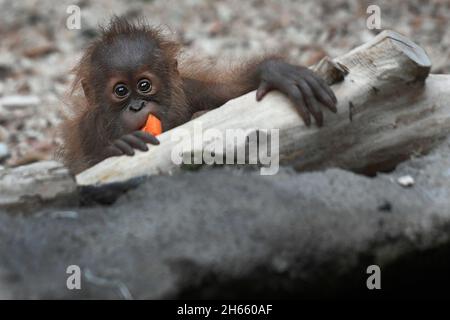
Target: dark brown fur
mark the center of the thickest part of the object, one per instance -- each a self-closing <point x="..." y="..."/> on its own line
<point x="93" y="127"/>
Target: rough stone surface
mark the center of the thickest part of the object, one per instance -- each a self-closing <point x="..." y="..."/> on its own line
<point x="37" y="184"/>
<point x="228" y="233"/>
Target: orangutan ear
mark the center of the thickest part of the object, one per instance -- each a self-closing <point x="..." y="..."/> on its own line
<point x="87" y="90"/>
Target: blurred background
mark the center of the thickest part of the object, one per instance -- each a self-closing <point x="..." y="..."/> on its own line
<point x="37" y="50"/>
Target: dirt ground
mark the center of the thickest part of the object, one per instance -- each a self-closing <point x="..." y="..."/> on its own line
<point x="37" y="50"/>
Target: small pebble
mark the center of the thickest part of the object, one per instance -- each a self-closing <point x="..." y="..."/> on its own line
<point x="19" y="101"/>
<point x="4" y="151"/>
<point x="406" y="181"/>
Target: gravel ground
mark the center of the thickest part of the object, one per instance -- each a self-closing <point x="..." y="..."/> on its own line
<point x="37" y="50"/>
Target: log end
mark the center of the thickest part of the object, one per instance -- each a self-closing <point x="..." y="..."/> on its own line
<point x="408" y="47"/>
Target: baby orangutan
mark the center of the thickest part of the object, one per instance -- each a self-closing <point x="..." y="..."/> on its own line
<point x="131" y="71"/>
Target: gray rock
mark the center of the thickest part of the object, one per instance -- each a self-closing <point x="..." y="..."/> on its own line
<point x="225" y="233"/>
<point x="29" y="187"/>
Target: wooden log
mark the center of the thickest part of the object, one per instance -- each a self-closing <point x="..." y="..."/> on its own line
<point x="386" y="113"/>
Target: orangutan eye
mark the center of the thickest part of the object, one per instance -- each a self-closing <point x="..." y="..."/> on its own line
<point x="144" y="86"/>
<point x="121" y="90"/>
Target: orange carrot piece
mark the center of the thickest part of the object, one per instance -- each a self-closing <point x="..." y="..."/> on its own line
<point x="153" y="125"/>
